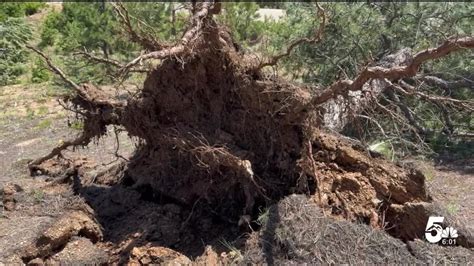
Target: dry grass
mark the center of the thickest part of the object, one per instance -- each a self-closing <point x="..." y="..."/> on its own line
<point x="298" y="232"/>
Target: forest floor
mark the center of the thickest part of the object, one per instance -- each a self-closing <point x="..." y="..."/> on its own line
<point x="32" y="123"/>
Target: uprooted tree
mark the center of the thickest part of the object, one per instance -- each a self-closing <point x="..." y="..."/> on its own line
<point x="214" y="126"/>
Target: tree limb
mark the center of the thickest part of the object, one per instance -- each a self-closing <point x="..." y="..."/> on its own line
<point x="446" y="85"/>
<point x="316" y="39"/>
<point x="56" y="69"/>
<point x="406" y="112"/>
<point x="179" y="48"/>
<point x="465" y="104"/>
<point x="108" y="61"/>
<point x="341" y="87"/>
<point x="148" y="42"/>
<point x="83" y="139"/>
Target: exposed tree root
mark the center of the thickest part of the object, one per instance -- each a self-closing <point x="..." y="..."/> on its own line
<point x="213" y="128"/>
<point x="35" y="165"/>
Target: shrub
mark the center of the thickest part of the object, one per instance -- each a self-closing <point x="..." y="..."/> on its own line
<point x="14" y="33"/>
<point x="39" y="73"/>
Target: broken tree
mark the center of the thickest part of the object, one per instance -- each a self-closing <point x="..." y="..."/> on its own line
<point x="214" y="127"/>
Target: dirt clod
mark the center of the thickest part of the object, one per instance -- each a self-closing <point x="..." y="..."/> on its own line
<point x="75" y="223"/>
<point x="79" y="251"/>
<point x="210" y="257"/>
<point x="9" y="201"/>
<point x="408" y="222"/>
<point x="36" y="262"/>
<point x="157" y="255"/>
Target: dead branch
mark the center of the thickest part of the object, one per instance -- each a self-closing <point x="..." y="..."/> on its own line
<point x="179" y="48"/>
<point x="316" y="39"/>
<point x="55" y="69"/>
<point x="88" y="92"/>
<point x="406" y="112"/>
<point x="341" y="87"/>
<point x="148" y="42"/>
<point x="446" y="85"/>
<point x="108" y="61"/>
<point x="410" y="90"/>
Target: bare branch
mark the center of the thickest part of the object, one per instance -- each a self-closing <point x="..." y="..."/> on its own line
<point x="465" y="104"/>
<point x="55" y="69"/>
<point x="406" y="111"/>
<point x="108" y="61"/>
<point x="316" y="39"/>
<point x="467" y="82"/>
<point x="148" y="42"/>
<point x="341" y="87"/>
<point x="182" y="45"/>
<point x="88" y="92"/>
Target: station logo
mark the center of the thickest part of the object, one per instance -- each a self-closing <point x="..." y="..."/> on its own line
<point x="435" y="233"/>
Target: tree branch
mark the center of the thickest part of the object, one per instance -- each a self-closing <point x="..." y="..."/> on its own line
<point x="55" y="69"/>
<point x="406" y="112"/>
<point x="108" y="61"/>
<point x="341" y="87"/>
<point x="148" y="42"/>
<point x="316" y="39"/>
<point x="83" y="139"/>
<point x="87" y="92"/>
<point x="179" y="48"/>
<point x="468" y="105"/>
<point x="434" y="81"/>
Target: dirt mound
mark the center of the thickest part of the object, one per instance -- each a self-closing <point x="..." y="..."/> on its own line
<point x="296" y="231"/>
<point x="434" y="254"/>
<point x="79" y="250"/>
<point x="157" y="255"/>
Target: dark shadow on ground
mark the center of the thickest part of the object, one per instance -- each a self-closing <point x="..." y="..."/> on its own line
<point x="130" y="220"/>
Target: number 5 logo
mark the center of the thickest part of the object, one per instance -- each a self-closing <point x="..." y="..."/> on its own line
<point x="433" y="229"/>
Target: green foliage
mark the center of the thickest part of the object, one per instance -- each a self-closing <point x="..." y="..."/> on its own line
<point x="95" y="27"/>
<point x="44" y="124"/>
<point x="358" y="34"/>
<point x="14" y="33"/>
<point x="241" y="18"/>
<point x="160" y="20"/>
<point x="8" y="10"/>
<point x="385" y="148"/>
<point x="39" y="72"/>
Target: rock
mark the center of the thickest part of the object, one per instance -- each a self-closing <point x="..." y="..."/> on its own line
<point x="157" y="255"/>
<point x="80" y="251"/>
